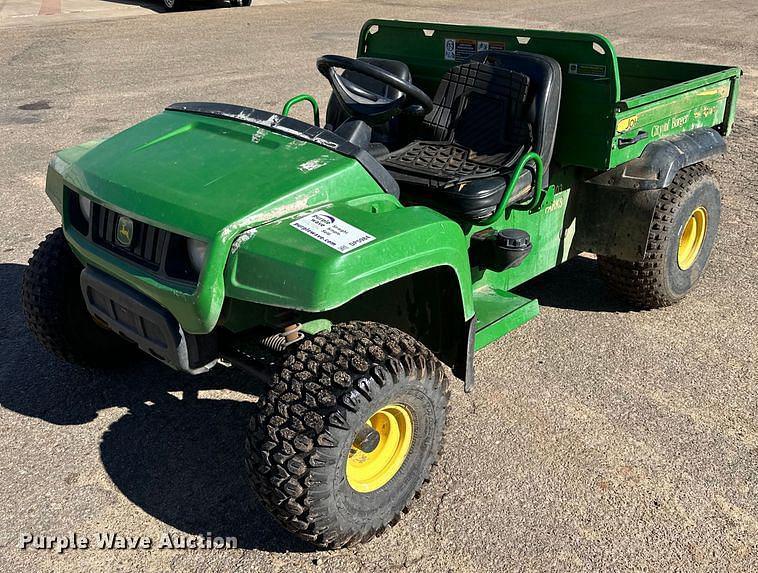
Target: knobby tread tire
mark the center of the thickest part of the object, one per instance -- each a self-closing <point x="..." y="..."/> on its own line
<point x="644" y="283"/>
<point x="55" y="312"/>
<point x="294" y="434"/>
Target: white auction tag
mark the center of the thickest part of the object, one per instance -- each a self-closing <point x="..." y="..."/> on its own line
<point x="330" y="230"/>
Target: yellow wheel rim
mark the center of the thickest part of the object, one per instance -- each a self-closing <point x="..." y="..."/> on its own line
<point x="692" y="238"/>
<point x="368" y="471"/>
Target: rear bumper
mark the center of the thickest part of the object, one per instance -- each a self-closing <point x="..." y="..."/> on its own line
<point x="143" y="321"/>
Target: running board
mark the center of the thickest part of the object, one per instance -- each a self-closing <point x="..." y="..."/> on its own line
<point x="498" y="312"/>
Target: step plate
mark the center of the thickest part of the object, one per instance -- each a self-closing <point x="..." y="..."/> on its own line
<point x="498" y="312"/>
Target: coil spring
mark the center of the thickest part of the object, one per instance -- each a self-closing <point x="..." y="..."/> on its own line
<point x="275" y="342"/>
<point x="281" y="340"/>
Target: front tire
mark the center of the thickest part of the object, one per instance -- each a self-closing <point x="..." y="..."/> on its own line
<point x="305" y="445"/>
<point x="55" y="311"/>
<point x="679" y="244"/>
<point x="173" y="5"/>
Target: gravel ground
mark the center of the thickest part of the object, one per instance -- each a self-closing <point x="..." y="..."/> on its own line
<point x="597" y="438"/>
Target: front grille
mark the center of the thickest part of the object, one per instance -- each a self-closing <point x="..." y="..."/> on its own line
<point x="148" y="243"/>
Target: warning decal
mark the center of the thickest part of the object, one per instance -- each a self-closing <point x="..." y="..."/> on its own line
<point x="332" y="231"/>
<point x="461" y="50"/>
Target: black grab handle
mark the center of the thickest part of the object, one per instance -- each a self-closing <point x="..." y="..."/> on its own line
<point x="627" y="141"/>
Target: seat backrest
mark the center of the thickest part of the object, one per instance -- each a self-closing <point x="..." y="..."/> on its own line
<point x="335" y="115"/>
<point x="544" y="94"/>
<point x="482" y="108"/>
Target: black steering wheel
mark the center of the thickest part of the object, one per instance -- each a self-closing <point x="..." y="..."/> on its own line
<point x="364" y="104"/>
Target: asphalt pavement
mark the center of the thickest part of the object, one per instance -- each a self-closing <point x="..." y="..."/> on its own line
<point x="597" y="438"/>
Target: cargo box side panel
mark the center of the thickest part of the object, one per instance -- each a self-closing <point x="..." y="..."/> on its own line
<point x="638" y="126"/>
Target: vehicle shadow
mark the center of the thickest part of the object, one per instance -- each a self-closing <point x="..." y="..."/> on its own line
<point x="178" y="451"/>
<point x="187" y="6"/>
<point x="574" y="285"/>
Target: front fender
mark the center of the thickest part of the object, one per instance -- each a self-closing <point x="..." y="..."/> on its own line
<point x="282" y="266"/>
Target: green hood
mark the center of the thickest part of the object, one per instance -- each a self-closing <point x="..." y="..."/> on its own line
<point x="203" y="176"/>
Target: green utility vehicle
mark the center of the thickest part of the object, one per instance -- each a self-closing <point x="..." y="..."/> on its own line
<point x="348" y="265"/>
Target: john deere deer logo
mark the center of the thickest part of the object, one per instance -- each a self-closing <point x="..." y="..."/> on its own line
<point x="124" y="231"/>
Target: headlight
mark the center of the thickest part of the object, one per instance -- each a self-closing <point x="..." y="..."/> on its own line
<point x="85" y="205"/>
<point x="196" y="250"/>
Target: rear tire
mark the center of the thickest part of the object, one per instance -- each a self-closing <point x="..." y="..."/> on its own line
<point x="173" y="5"/>
<point x="55" y="311"/>
<point x="302" y="456"/>
<point x="680" y="241"/>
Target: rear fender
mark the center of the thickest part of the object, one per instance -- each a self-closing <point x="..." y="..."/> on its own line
<point x="659" y="162"/>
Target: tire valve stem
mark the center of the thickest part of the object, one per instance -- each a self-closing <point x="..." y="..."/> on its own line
<point x="366" y="440"/>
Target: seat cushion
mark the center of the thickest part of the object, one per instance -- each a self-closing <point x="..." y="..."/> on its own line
<point x="470" y="141"/>
<point x="477" y="128"/>
<point x="473" y="200"/>
<point x="438" y="164"/>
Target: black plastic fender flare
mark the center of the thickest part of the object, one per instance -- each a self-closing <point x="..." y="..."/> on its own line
<point x="660" y="160"/>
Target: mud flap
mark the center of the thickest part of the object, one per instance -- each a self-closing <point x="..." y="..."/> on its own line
<point x="465" y="365"/>
<point x="614" y="209"/>
<point x="614" y="222"/>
